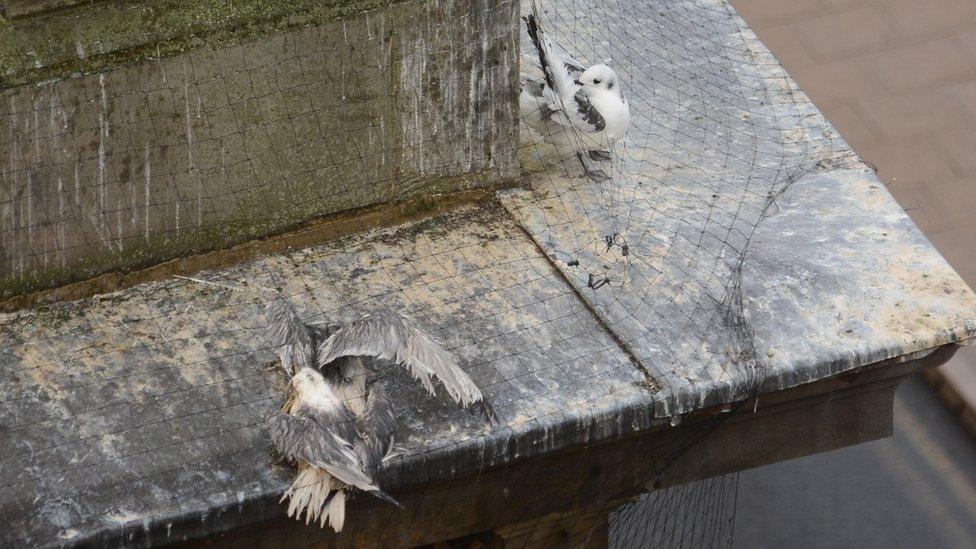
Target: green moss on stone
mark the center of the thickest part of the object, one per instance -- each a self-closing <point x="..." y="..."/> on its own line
<point x="160" y="248"/>
<point x="94" y="37"/>
<point x="282" y="191"/>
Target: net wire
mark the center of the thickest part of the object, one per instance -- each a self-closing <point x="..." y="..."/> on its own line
<point x="562" y="286"/>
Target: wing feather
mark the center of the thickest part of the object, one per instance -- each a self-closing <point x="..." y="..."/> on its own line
<point x="388" y="336"/>
<point x="292" y="338"/>
<point x="560" y="70"/>
<point x="298" y="438"/>
<point x="375" y="429"/>
<point x="560" y="93"/>
<point x="588" y="117"/>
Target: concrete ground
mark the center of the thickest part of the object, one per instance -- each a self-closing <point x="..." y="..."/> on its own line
<point x="898" y="79"/>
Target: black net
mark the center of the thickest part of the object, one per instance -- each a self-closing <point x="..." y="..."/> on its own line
<point x="593" y="294"/>
<point x="699" y="514"/>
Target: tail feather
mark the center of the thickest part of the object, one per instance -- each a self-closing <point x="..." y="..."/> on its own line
<point x="321" y="499"/>
<point x="335" y="512"/>
<point x="308" y="493"/>
<point x="386" y="497"/>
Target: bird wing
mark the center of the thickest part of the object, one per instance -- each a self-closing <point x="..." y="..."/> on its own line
<point x="289" y="335"/>
<point x="560" y="70"/>
<point x="574" y="67"/>
<point x="560" y="90"/>
<point x="375" y="429"/>
<point x="587" y="118"/>
<point x="299" y="438"/>
<point x="388" y="336"/>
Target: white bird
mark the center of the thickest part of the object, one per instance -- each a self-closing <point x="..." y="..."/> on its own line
<point x="336" y="450"/>
<point x="580" y="111"/>
<point x="329" y="361"/>
<point x="297" y="343"/>
<point x="338" y="351"/>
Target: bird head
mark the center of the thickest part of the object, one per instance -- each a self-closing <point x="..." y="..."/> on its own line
<point x="308" y="383"/>
<point x="598" y="77"/>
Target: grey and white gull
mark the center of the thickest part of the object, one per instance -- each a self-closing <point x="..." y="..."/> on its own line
<point x="337" y="426"/>
<point x="581" y="111"/>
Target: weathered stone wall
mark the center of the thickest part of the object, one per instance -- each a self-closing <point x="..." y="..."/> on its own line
<point x="122" y="160"/>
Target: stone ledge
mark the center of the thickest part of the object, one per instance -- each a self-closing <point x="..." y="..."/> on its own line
<point x="219" y="145"/>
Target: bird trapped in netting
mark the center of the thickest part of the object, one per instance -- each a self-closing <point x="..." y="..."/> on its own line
<point x="335" y="425"/>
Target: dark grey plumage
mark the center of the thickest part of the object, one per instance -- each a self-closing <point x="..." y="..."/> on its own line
<point x="375" y="430"/>
<point x="320" y="443"/>
<point x="589" y="113"/>
<point x="294" y="340"/>
<point x="296" y="343"/>
<point x="320" y="431"/>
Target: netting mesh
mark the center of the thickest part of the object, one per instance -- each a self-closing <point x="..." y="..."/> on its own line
<point x="716" y="134"/>
<point x="124" y="168"/>
<point x="585" y="309"/>
<point x="700" y="514"/>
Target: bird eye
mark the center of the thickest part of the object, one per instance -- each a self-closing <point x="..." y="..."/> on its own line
<point x="596" y="81"/>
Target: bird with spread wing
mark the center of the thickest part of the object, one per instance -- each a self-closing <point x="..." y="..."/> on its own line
<point x="580" y="111"/>
<point x="329" y="393"/>
<point x="335" y="449"/>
